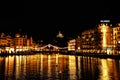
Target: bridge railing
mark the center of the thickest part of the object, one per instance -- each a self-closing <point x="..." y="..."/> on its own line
<point x="49" y="46"/>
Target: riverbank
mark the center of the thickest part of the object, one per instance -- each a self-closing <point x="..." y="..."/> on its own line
<point x="19" y="53"/>
<point x="100" y="55"/>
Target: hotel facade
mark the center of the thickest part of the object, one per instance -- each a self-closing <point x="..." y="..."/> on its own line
<point x="103" y="38"/>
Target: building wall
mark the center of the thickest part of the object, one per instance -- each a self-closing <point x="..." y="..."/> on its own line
<point x="116" y="37"/>
<point x="106" y="35"/>
<point x="98" y="39"/>
<point x="90" y="39"/>
<point x="78" y="43"/>
<point x="72" y="45"/>
<point x="17" y="43"/>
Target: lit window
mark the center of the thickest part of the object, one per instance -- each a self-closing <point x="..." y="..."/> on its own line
<point x="92" y="39"/>
<point x="118" y="41"/>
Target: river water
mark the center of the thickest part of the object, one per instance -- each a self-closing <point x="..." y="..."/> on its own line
<point x="58" y="67"/>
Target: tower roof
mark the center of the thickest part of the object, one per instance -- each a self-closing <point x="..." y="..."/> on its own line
<point x="60" y="35"/>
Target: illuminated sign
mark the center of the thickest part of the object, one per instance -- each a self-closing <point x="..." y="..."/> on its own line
<point x="104" y="20"/>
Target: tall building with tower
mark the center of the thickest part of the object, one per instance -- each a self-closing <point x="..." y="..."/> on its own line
<point x="105" y="30"/>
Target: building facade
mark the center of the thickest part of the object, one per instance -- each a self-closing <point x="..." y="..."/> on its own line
<point x="103" y="38"/>
<point x="72" y="45"/>
<point x="116" y="38"/>
<point x="15" y="44"/>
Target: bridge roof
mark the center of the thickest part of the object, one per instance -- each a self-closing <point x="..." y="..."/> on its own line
<point x="52" y="46"/>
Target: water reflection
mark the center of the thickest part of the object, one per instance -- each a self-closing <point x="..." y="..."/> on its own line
<point x="58" y="67"/>
<point x="109" y="69"/>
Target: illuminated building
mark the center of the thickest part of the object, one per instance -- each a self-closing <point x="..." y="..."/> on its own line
<point x="99" y="39"/>
<point x="78" y="43"/>
<point x="116" y="37"/>
<point x="29" y="41"/>
<point x="105" y="30"/>
<point x="10" y="41"/>
<point x="90" y="40"/>
<point x="22" y="43"/>
<point x="6" y="43"/>
<point x="14" y="44"/>
<point x="104" y="38"/>
<point x="3" y="41"/>
<point x="71" y="45"/>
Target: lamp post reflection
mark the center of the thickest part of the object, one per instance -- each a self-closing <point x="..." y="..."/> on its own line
<point x="57" y="64"/>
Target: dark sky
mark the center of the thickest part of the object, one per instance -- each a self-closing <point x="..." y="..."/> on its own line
<point x="43" y="20"/>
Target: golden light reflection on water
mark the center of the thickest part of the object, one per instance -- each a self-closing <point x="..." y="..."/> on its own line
<point x="104" y="70"/>
<point x="20" y="66"/>
<point x="108" y="70"/>
<point x="72" y="67"/>
<point x="9" y="67"/>
<point x="58" y="67"/>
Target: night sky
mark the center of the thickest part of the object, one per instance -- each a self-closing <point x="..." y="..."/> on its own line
<point x="43" y="20"/>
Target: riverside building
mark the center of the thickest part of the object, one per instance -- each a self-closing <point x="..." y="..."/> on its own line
<point x="103" y="38"/>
